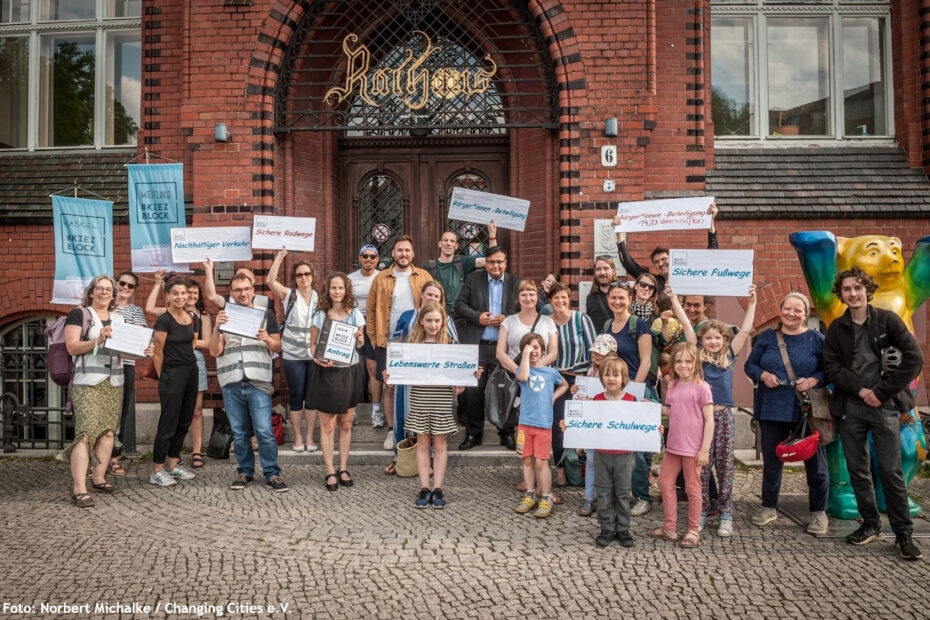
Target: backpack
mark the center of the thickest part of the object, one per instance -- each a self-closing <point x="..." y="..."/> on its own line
<point x="60" y="363"/>
<point x="432" y="266"/>
<point x="291" y="300"/>
<point x="631" y="331"/>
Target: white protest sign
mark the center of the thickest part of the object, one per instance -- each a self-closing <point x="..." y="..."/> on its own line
<point x="710" y="272"/>
<point x="270" y="232"/>
<point x="612" y="425"/>
<point x="670" y="214"/>
<point x="469" y="205"/>
<point x="636" y="390"/>
<point x="221" y="243"/>
<point x="432" y="364"/>
<point x="129" y="340"/>
<point x="588" y="388"/>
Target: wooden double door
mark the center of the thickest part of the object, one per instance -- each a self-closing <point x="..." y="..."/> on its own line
<point x="402" y="186"/>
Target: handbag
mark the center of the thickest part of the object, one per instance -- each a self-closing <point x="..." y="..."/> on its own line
<point x="221" y="436"/>
<point x="815" y="402"/>
<point x="500" y="395"/>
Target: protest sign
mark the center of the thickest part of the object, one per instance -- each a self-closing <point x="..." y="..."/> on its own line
<point x="710" y="272"/>
<point x="156" y="205"/>
<point x="336" y="343"/>
<point x="470" y="205"/>
<point x="243" y="320"/>
<point x="669" y="214"/>
<point x="270" y="232"/>
<point x="612" y="425"/>
<point x="432" y="364"/>
<point x="83" y="245"/>
<point x="128" y="340"/>
<point x="221" y="243"/>
<point x="588" y="388"/>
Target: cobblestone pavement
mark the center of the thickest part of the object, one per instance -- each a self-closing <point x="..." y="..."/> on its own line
<point x="366" y="552"/>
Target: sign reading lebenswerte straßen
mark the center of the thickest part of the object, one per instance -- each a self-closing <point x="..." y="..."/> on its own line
<point x="710" y="272"/>
<point x="671" y="214"/>
<point x="270" y="232"/>
<point x="221" y="243"/>
<point x="432" y="364"/>
<point x="469" y="205"/>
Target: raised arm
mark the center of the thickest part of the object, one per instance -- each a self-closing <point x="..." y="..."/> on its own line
<point x="745" y="330"/>
<point x="492" y="241"/>
<point x="279" y="290"/>
<point x="523" y="372"/>
<point x="686" y="326"/>
<point x="209" y="287"/>
<point x="151" y="302"/>
<point x="712" y="231"/>
<point x="632" y="267"/>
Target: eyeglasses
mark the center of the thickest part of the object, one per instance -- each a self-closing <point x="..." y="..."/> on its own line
<point x="128" y="285"/>
<point x="303" y="274"/>
<point x="369" y="256"/>
<point x="496" y="262"/>
<point x="103" y="289"/>
<point x="646" y="285"/>
<point x="239" y="291"/>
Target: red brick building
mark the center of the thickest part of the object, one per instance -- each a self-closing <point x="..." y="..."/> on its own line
<point x="806" y="115"/>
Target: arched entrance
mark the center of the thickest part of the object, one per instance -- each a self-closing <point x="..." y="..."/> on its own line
<point x="418" y="98"/>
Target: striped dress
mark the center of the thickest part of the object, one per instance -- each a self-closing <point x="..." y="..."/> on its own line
<point x="575" y="340"/>
<point x="431" y="410"/>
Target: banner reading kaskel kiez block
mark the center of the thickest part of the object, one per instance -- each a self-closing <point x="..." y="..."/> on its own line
<point x="83" y="245"/>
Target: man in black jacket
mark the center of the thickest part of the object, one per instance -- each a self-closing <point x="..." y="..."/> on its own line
<point x="869" y="394"/>
<point x="485" y="300"/>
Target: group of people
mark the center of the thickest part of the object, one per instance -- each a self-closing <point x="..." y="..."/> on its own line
<point x="632" y="331"/>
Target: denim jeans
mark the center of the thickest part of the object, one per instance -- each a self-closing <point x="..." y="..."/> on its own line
<point x="244" y="404"/>
<point x="642" y="463"/>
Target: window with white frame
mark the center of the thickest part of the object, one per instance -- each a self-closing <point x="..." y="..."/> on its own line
<point x="816" y="69"/>
<point x="70" y="73"/>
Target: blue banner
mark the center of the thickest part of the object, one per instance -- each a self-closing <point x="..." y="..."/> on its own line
<point x="83" y="245"/>
<point x="156" y="205"/>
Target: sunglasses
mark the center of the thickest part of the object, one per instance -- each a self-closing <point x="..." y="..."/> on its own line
<point x="128" y="285"/>
<point x="369" y="256"/>
<point x="646" y="285"/>
<point x="303" y="274"/>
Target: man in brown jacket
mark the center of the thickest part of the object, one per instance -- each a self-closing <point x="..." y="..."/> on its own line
<point x="393" y="291"/>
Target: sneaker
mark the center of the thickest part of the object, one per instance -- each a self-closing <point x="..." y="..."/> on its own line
<point x="423" y="499"/>
<point x="276" y="484"/>
<point x="311" y="447"/>
<point x="544" y="509"/>
<point x="640" y="508"/>
<point x="525" y="505"/>
<point x="437" y="499"/>
<point x="240" y="482"/>
<point x="725" y="528"/>
<point x="907" y="548"/>
<point x="300" y="448"/>
<point x="626" y="540"/>
<point x="389" y="440"/>
<point x="355" y="417"/>
<point x="702" y="522"/>
<point x="604" y="538"/>
<point x="377" y="418"/>
<point x="764" y="516"/>
<point x="162" y="478"/>
<point x="180" y="473"/>
<point x="819" y="524"/>
<point x="866" y="533"/>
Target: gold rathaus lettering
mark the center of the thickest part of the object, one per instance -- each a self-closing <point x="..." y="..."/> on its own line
<point x="410" y="80"/>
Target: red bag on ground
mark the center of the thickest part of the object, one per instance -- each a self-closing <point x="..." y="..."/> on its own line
<point x="277" y="426"/>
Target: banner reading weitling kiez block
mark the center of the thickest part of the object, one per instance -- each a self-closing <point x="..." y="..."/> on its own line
<point x="156" y="205"/>
<point x="83" y="245"/>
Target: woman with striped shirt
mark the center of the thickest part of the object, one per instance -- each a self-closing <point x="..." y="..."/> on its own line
<point x="126" y="307"/>
<point x="576" y="334"/>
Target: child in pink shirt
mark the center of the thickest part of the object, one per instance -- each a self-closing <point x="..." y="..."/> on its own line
<point x="690" y="408"/>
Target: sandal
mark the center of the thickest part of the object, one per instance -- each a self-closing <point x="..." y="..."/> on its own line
<point x="82" y="500"/>
<point x="333" y="486"/>
<point x="115" y="469"/>
<point x="662" y="534"/>
<point x="521" y="486"/>
<point x="391" y="469"/>
<point x="197" y="460"/>
<point x="556" y="499"/>
<point x="690" y="540"/>
<point x="347" y="481"/>
<point x="104" y="487"/>
<point x="587" y="509"/>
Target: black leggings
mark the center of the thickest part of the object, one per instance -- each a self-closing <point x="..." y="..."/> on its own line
<point x="177" y="391"/>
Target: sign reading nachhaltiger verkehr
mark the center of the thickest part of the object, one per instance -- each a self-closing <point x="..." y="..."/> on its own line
<point x="710" y="272"/>
<point x="432" y="364"/>
<point x="669" y="214"/>
<point x="270" y="232"/>
<point x="612" y="425"/>
<point x="469" y="205"/>
<point x="221" y="243"/>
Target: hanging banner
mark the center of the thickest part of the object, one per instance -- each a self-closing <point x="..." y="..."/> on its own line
<point x="156" y="205"/>
<point x="83" y="245"/>
<point x="470" y="205"/>
<point x="194" y="245"/>
<point x="668" y="214"/>
<point x="270" y="232"/>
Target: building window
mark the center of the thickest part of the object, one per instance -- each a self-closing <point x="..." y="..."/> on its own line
<point x="70" y="73"/>
<point x="815" y="70"/>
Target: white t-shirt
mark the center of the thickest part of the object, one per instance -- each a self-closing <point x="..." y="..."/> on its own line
<point x="403" y="298"/>
<point x="295" y="343"/>
<point x="361" y="286"/>
<point x="516" y="330"/>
